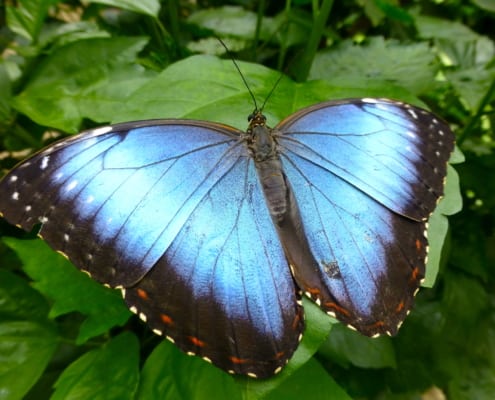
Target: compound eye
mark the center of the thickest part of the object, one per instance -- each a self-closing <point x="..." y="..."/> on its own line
<point x="250" y="117"/>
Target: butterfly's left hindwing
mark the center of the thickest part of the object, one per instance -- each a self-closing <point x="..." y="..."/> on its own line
<point x="223" y="289"/>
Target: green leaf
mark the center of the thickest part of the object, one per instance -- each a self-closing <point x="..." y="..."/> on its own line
<point x="376" y="10"/>
<point x="488" y="5"/>
<point x="26" y="347"/>
<point x="292" y="27"/>
<point x="59" y="35"/>
<point x="107" y="373"/>
<point x="349" y="347"/>
<point x="441" y="28"/>
<point x="475" y="374"/>
<point x="85" y="79"/>
<point x="318" y="327"/>
<point x="205" y="87"/>
<point x="310" y="382"/>
<point x="200" y="87"/>
<point x="410" y="66"/>
<point x="69" y="289"/>
<point x="27" y="337"/>
<point x="148" y="7"/>
<point x="477" y="383"/>
<point x="438" y="224"/>
<point x="373" y="11"/>
<point x="18" y="300"/>
<point x="231" y="21"/>
<point x="457" y="44"/>
<point x="466" y="299"/>
<point x="27" y="17"/>
<point x="170" y="374"/>
<point x="471" y="84"/>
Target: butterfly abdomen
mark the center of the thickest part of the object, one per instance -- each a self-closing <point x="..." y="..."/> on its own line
<point x="274" y="187"/>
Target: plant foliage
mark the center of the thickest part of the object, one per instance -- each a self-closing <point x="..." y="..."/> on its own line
<point x="70" y="65"/>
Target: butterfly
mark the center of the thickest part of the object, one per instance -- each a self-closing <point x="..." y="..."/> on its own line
<point x="213" y="234"/>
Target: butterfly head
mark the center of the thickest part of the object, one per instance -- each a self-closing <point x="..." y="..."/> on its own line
<point x="256" y="118"/>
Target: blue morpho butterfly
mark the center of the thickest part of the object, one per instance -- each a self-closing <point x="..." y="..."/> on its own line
<point x="213" y="233"/>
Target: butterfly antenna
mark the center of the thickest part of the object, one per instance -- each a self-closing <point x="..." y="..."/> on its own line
<point x="271" y="91"/>
<point x="240" y="72"/>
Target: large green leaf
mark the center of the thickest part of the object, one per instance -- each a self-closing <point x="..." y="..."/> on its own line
<point x="231" y="20"/>
<point x="312" y="381"/>
<point x="26" y="347"/>
<point x="379" y="61"/>
<point x="351" y="348"/>
<point x="170" y="374"/>
<point x="110" y="372"/>
<point x="27" y="338"/>
<point x="204" y="87"/>
<point x="69" y="289"/>
<point x="488" y="5"/>
<point x="85" y="79"/>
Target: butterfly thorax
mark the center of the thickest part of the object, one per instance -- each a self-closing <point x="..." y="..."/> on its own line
<point x="263" y="149"/>
<point x="261" y="144"/>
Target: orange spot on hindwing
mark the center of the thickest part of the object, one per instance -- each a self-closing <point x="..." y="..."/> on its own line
<point x="237" y="360"/>
<point x="166" y="319"/>
<point x="143" y="294"/>
<point x="313" y="291"/>
<point x="334" y="307"/>
<point x="415" y="274"/>
<point x="296" y="321"/>
<point x="197" y="342"/>
<point x="377" y="325"/>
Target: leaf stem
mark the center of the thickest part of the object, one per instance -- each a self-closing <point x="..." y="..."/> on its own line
<point x="302" y="65"/>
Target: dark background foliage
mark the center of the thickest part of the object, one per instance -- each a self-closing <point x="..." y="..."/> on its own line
<point x="70" y="65"/>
